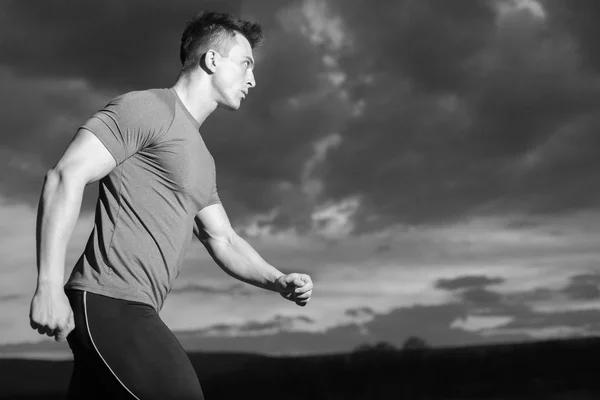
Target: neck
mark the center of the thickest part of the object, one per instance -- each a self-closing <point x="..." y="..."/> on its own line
<point x="194" y="93"/>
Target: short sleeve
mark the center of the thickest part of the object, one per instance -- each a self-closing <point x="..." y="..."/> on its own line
<point x="130" y="123"/>
<point x="214" y="198"/>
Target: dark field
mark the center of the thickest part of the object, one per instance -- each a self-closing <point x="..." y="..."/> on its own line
<point x="564" y="369"/>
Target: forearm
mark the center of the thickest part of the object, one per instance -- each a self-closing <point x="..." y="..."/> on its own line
<point x="239" y="259"/>
<point x="58" y="210"/>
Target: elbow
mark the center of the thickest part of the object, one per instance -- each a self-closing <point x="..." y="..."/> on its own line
<point x="226" y="240"/>
<point x="52" y="178"/>
<point x="51" y="173"/>
<point x="221" y="243"/>
<point x="61" y="179"/>
<point x="56" y="175"/>
<point x="231" y="238"/>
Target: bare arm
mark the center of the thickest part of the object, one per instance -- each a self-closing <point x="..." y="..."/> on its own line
<point x="238" y="259"/>
<point x="231" y="252"/>
<point x="85" y="160"/>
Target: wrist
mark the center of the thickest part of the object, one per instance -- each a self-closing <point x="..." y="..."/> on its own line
<point x="275" y="283"/>
<point x="49" y="283"/>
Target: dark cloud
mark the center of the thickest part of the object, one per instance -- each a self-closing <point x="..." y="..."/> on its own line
<point x="430" y="323"/>
<point x="10" y="297"/>
<point x="435" y="324"/>
<point x="513" y="133"/>
<point x="394" y="328"/>
<point x="426" y="41"/>
<point x="122" y="46"/>
<point x="283" y="342"/>
<point x="38" y="123"/>
<point x="481" y="297"/>
<point x="586" y="278"/>
<point x="278" y="322"/>
<point x="383" y="248"/>
<point x="359" y="312"/>
<point x="537" y="294"/>
<point x="237" y="289"/>
<point x="579" y="18"/>
<point x="62" y="62"/>
<point x="583" y="287"/>
<point x="583" y="319"/>
<point x="260" y="151"/>
<point x="467" y="282"/>
<point x="444" y="112"/>
<point x="438" y="325"/>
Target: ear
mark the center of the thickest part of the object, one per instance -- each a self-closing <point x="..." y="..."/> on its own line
<point x="211" y="60"/>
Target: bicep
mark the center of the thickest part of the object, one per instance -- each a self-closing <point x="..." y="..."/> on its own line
<point x="212" y="223"/>
<point x="86" y="158"/>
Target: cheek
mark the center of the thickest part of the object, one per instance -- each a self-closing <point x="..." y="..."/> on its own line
<point x="230" y="79"/>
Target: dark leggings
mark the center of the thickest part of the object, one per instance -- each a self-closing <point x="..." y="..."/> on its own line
<point x="123" y="350"/>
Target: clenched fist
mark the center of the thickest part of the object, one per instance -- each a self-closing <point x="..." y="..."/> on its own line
<point x="50" y="313"/>
<point x="295" y="287"/>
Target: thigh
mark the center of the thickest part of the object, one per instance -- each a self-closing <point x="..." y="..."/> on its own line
<point x="90" y="379"/>
<point x="139" y="350"/>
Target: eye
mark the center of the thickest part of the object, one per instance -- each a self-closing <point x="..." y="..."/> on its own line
<point x="246" y="63"/>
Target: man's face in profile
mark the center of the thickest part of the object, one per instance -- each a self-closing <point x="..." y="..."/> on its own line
<point x="234" y="74"/>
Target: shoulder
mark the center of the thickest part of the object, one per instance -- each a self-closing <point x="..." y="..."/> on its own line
<point x="149" y="101"/>
<point x="144" y="109"/>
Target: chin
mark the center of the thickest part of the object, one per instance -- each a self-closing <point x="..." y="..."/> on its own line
<point x="233" y="106"/>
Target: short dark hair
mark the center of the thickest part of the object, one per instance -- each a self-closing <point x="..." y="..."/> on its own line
<point x="213" y="29"/>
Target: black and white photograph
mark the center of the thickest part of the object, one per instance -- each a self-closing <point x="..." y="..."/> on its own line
<point x="300" y="199"/>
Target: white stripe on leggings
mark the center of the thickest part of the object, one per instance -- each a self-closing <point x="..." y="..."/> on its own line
<point x="94" y="344"/>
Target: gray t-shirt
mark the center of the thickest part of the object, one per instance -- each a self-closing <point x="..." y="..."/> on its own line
<point x="146" y="205"/>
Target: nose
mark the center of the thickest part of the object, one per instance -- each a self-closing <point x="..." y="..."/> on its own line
<point x="250" y="79"/>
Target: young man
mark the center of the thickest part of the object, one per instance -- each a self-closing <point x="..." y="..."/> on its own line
<point x="157" y="189"/>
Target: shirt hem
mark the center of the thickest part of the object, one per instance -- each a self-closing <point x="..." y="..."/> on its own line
<point x="116" y="294"/>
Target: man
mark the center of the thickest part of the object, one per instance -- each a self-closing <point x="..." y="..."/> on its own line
<point x="157" y="189"/>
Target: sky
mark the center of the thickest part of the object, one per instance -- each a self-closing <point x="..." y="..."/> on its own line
<point x="432" y="165"/>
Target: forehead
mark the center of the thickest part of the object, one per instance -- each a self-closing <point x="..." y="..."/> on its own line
<point x="240" y="47"/>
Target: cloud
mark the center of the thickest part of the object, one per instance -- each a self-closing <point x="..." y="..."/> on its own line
<point x="481" y="315"/>
<point x="415" y="136"/>
<point x="466" y="282"/>
<point x="578" y="19"/>
<point x="235" y="290"/>
<point x="457" y="141"/>
<point x="437" y="325"/>
<point x="586" y="320"/>
<point x="360" y="312"/>
<point x="279" y="323"/>
<point x="32" y="142"/>
<point x="382" y="248"/>
<point x="583" y="287"/>
<point x="294" y="107"/>
<point x="18" y="274"/>
<point x="475" y="316"/>
<point x="481" y="297"/>
<point x="472" y="98"/>
<point x="538" y="313"/>
<point x="430" y="323"/>
<point x="9" y="297"/>
<point x="116" y="46"/>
